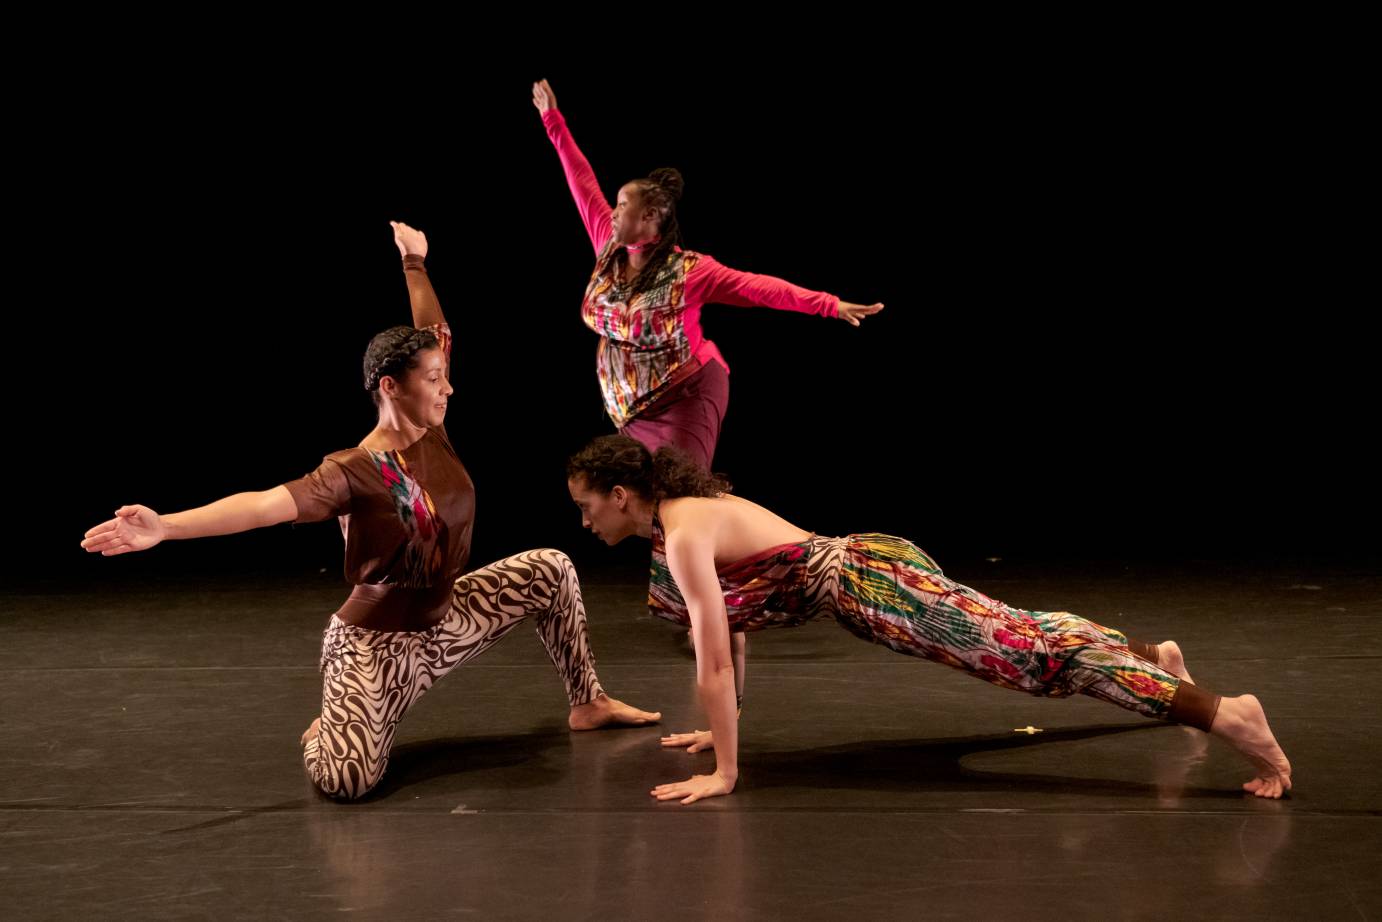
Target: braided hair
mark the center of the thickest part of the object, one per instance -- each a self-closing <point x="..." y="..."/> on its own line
<point x="394" y="352"/>
<point x="661" y="190"/>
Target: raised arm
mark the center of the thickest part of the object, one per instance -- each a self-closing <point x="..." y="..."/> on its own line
<point x="412" y="244"/>
<point x="585" y="188"/>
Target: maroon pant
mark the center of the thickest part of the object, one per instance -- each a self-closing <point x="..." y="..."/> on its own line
<point x="687" y="416"/>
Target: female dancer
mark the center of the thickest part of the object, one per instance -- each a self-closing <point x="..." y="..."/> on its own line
<point x="722" y="564"/>
<point x="663" y="382"/>
<point x="406" y="505"/>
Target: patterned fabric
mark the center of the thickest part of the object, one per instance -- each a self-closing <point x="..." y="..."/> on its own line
<point x="423" y="560"/>
<point x="643" y="347"/>
<point x="649" y="345"/>
<point x="371" y="678"/>
<point x="888" y="591"/>
<point x="406" y="516"/>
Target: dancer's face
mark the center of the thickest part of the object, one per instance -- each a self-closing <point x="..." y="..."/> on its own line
<point x="607" y="515"/>
<point x="422" y="393"/>
<point x="633" y="224"/>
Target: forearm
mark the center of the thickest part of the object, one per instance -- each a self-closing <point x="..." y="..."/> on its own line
<point x="580" y="178"/>
<point x="716" y="693"/>
<point x="780" y="294"/>
<point x="426" y="307"/>
<point x="234" y="514"/>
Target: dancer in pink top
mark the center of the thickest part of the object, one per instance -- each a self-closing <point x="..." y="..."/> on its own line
<point x="663" y="382"/>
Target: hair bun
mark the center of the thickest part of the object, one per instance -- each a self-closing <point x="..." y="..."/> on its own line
<point x="669" y="178"/>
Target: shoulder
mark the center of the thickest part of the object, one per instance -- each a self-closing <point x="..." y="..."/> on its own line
<point x="686" y="509"/>
<point x="704" y="269"/>
<point x="691" y="522"/>
<point x="439" y="441"/>
<point x="344" y="469"/>
<point x="347" y="457"/>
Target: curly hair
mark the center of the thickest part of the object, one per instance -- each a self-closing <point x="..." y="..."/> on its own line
<point x="617" y="460"/>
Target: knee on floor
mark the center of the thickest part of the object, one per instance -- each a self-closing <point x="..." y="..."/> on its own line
<point x="343" y="781"/>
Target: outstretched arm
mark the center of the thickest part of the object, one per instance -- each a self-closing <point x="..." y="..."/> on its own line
<point x="713" y="282"/>
<point x="138" y="528"/>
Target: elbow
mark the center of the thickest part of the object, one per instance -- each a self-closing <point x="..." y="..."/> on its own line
<point x="714" y="675"/>
<point x="273" y="507"/>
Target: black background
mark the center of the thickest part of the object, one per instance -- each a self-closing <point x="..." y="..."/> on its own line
<point x="1117" y="323"/>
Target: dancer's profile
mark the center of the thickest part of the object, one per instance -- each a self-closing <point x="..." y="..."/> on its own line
<point x="723" y="564"/>
<point x="406" y="504"/>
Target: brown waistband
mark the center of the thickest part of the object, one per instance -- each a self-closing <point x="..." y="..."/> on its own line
<point x="386" y="607"/>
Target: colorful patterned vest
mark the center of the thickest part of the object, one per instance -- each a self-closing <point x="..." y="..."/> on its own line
<point x="643" y="347"/>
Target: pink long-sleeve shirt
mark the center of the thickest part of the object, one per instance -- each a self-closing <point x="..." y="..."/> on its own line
<point x="706" y="281"/>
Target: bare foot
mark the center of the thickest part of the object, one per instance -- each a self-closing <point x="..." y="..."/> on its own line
<point x="1168" y="657"/>
<point x="605" y="711"/>
<point x="1243" y="724"/>
<point x="311" y="732"/>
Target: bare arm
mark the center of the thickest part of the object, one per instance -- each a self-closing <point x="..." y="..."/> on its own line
<point x="697" y="740"/>
<point x="138" y="528"/>
<point x="691" y="559"/>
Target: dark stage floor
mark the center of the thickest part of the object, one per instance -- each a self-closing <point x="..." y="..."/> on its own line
<point x="150" y="768"/>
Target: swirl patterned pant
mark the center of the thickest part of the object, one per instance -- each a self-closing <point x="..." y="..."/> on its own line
<point x="371" y="678"/>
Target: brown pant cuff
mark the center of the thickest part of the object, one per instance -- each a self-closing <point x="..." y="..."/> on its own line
<point x="1143" y="649"/>
<point x="1193" y="706"/>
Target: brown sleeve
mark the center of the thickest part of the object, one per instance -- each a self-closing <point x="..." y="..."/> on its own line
<point x="322" y="494"/>
<point x="427" y="313"/>
<point x="426" y="307"/>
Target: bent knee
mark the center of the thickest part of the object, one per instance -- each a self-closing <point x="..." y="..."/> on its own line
<point x="552" y="557"/>
<point x="555" y="564"/>
<point x="341" y="779"/>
